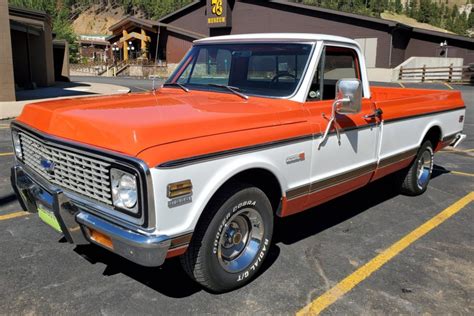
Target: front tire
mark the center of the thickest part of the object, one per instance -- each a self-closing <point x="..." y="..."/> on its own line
<point x="419" y="174"/>
<point x="232" y="239"/>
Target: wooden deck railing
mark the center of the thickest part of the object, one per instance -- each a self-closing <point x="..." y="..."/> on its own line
<point x="101" y="68"/>
<point x="460" y="74"/>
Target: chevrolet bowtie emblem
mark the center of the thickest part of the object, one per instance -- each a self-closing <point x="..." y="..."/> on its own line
<point x="47" y="165"/>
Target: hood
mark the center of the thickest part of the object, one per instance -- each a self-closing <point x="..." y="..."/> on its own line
<point x="131" y="123"/>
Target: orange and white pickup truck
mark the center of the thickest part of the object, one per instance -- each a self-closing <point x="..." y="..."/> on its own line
<point x="247" y="128"/>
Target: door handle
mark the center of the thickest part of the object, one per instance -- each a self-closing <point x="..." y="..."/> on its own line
<point x="375" y="114"/>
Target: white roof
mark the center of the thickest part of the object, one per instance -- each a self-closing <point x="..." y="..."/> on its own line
<point x="272" y="37"/>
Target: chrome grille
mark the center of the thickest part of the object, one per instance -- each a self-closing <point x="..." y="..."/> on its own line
<point x="84" y="175"/>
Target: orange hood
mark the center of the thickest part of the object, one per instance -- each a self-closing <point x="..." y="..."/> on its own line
<point x="134" y="122"/>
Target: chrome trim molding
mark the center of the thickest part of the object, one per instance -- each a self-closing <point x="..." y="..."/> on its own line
<point x="149" y="251"/>
<point x="397" y="158"/>
<point x="312" y="43"/>
<point x="327" y="183"/>
<point x="242" y="150"/>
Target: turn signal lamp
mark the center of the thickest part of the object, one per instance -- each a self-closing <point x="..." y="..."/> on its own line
<point x="101" y="238"/>
<point x="180" y="189"/>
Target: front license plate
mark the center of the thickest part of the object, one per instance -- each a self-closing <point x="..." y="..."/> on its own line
<point x="48" y="217"/>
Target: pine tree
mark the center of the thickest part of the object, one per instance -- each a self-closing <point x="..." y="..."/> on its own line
<point x="470" y="22"/>
<point x="398" y="6"/>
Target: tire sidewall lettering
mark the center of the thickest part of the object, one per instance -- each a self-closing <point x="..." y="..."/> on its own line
<point x="258" y="260"/>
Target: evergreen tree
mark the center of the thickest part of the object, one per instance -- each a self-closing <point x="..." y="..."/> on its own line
<point x="470" y="21"/>
<point x="398" y="6"/>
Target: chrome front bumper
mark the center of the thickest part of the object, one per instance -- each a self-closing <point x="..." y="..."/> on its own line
<point x="76" y="223"/>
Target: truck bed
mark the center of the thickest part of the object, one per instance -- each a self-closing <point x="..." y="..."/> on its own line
<point x="402" y="102"/>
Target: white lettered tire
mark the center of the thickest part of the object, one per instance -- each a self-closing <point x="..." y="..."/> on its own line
<point x="232" y="239"/>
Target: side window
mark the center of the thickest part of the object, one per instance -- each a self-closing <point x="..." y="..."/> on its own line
<point x="336" y="63"/>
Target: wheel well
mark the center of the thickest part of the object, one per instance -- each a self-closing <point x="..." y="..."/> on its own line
<point x="260" y="178"/>
<point x="433" y="135"/>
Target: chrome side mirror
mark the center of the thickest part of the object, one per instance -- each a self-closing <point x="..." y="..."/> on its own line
<point x="348" y="101"/>
<point x="348" y="96"/>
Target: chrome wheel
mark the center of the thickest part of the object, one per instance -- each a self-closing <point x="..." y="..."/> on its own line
<point x="425" y="166"/>
<point x="241" y="240"/>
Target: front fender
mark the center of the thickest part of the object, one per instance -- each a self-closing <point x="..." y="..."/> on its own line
<point x="207" y="178"/>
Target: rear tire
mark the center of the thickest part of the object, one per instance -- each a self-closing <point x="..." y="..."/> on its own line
<point x="231" y="240"/>
<point x="418" y="176"/>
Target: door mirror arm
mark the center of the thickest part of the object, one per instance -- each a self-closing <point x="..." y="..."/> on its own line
<point x="332" y="121"/>
<point x="348" y="101"/>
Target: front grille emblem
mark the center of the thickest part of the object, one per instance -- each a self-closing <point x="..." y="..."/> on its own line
<point x="47" y="165"/>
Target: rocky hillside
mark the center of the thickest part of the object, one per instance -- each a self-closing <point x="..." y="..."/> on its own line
<point x="97" y="20"/>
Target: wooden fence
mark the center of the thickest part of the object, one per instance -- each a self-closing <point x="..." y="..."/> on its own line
<point x="460" y="74"/>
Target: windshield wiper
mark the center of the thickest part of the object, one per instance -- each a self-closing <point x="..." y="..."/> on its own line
<point x="232" y="89"/>
<point x="175" y="84"/>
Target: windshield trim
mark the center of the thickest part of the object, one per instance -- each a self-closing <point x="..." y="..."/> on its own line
<point x="295" y="91"/>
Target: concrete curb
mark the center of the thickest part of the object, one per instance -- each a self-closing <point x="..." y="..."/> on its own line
<point x="11" y="109"/>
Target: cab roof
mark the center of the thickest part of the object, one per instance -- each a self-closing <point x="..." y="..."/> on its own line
<point x="274" y="37"/>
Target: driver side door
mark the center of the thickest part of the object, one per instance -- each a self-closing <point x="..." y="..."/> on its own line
<point x="339" y="165"/>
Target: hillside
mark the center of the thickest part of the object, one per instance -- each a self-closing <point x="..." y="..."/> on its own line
<point x="97" y="20"/>
<point x="401" y="18"/>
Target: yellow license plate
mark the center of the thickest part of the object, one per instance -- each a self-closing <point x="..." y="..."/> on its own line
<point x="49" y="218"/>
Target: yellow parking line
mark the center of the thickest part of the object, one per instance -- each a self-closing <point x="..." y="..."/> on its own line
<point x="462" y="173"/>
<point x="455" y="172"/>
<point x="346" y="285"/>
<point x="447" y="85"/>
<point x="13" y="215"/>
<point x="457" y="150"/>
<point x="6" y="154"/>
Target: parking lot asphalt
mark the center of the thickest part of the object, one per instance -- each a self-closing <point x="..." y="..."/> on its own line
<point x="312" y="253"/>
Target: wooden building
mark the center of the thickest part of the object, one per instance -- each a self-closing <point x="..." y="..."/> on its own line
<point x="29" y="56"/>
<point x="386" y="44"/>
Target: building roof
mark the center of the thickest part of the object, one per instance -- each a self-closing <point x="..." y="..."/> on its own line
<point x="444" y="35"/>
<point x="310" y="8"/>
<point x="182" y="11"/>
<point x="271" y="37"/>
<point x="334" y="12"/>
<point x="182" y="31"/>
<point x="28" y="13"/>
<point x="134" y="20"/>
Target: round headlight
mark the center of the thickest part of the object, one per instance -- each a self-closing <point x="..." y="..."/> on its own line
<point x="127" y="190"/>
<point x="17" y="144"/>
<point x="124" y="190"/>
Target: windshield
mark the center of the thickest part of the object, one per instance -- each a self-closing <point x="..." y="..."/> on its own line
<point x="270" y="70"/>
